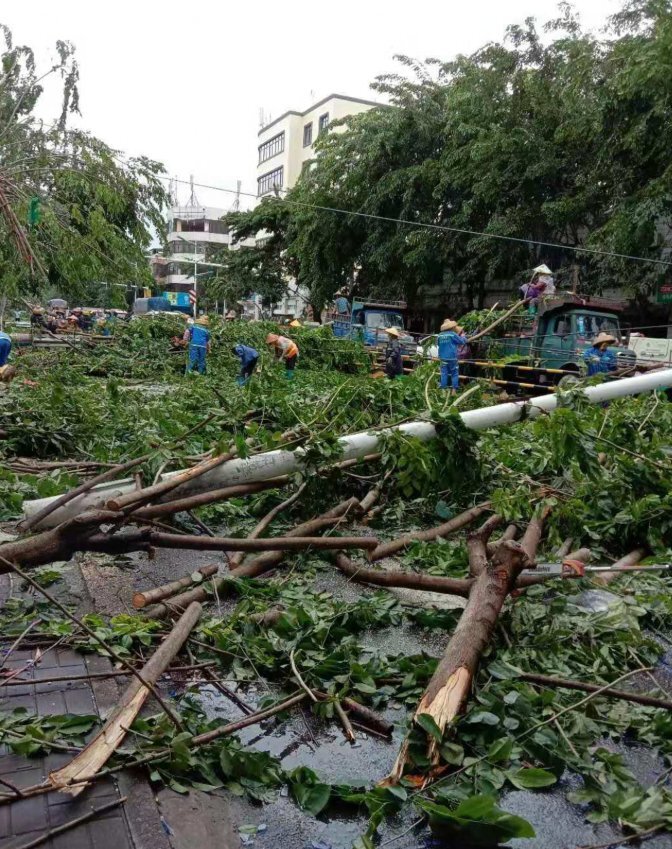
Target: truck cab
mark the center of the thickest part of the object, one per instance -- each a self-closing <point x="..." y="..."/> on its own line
<point x="366" y="321"/>
<point x="559" y="334"/>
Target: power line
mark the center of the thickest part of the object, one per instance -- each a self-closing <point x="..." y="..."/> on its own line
<point x="428" y="226"/>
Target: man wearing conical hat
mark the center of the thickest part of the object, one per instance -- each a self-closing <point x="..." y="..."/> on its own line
<point x="599" y="358"/>
<point x="450" y="340"/>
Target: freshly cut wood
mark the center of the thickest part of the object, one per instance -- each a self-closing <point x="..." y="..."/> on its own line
<point x="71" y="778"/>
<point x="399" y="578"/>
<point x="631" y="559"/>
<point x="584" y="687"/>
<point x="142" y="599"/>
<point x="257" y="566"/>
<point x="450" y="685"/>
<point x="387" y="549"/>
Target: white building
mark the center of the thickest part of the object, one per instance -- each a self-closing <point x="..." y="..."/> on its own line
<point x="285" y="146"/>
<point x="195" y="233"/>
<point x="286" y="143"/>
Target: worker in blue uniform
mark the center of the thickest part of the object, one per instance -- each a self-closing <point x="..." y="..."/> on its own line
<point x="199" y="344"/>
<point x="249" y="357"/>
<point x="450" y="340"/>
<point x="599" y="358"/>
<point x="5" y="347"/>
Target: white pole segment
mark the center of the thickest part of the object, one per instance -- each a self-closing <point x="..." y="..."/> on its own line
<point x="271" y="464"/>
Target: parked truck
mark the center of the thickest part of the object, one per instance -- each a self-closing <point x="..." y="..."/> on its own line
<point x="366" y="321"/>
<point x="546" y="349"/>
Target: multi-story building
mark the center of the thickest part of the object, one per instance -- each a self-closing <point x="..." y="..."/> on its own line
<point x="287" y="143"/>
<point x="195" y="233"/>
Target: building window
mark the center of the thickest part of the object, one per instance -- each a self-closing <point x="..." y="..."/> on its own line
<point x="267" y="182"/>
<point x="323" y="123"/>
<point x="217" y="226"/>
<point x="272" y="147"/>
<point x="308" y="135"/>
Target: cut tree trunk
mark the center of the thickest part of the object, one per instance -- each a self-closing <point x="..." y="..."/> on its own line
<point x="192" y="502"/>
<point x="137" y="497"/>
<point x="398" y="578"/>
<point x="142" y="599"/>
<point x="451" y="682"/>
<point x="96" y="753"/>
<point x="387" y="549"/>
<point x="58" y="543"/>
<point x="631" y="559"/>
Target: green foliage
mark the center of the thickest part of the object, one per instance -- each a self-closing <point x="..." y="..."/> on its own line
<point x="97" y="211"/>
<point x="476" y="821"/>
<point x="30" y="735"/>
<point x="555" y="135"/>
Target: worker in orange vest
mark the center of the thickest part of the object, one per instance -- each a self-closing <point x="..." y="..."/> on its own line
<point x="284" y="349"/>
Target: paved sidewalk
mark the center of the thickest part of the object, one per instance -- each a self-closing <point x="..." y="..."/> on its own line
<point x="22" y="821"/>
<point x="133" y="825"/>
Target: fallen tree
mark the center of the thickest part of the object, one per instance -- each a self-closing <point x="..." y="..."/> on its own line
<point x="272" y="464"/>
<point x="72" y="777"/>
<point x="83" y="534"/>
<point x="451" y="682"/>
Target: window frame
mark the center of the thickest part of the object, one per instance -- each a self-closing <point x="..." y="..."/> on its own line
<point x="271" y="147"/>
<point x="265" y="179"/>
<point x="308" y="127"/>
<point x="322" y="124"/>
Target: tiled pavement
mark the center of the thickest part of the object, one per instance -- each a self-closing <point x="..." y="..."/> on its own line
<point x="22" y="821"/>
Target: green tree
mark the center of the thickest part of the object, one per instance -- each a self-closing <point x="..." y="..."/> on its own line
<point x="562" y="141"/>
<point x="76" y="212"/>
<point x="259" y="262"/>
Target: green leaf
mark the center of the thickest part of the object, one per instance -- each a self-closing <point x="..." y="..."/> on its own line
<point x="529" y="778"/>
<point x="482" y="717"/>
<point x="312" y="798"/>
<point x="476" y="821"/>
<point x="427" y="723"/>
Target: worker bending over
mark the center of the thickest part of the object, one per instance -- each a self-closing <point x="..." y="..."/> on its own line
<point x="599" y="358"/>
<point x="284" y="349"/>
<point x="198" y="337"/>
<point x="249" y="358"/>
<point x="394" y="363"/>
<point x="7" y="372"/>
<point x="450" y="339"/>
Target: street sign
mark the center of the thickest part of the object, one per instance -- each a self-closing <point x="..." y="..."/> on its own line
<point x="664" y="295"/>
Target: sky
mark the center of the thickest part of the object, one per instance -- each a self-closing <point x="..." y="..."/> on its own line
<point x="186" y="83"/>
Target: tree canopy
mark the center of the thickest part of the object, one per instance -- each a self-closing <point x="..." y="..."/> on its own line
<point x="85" y="212"/>
<point x="553" y="136"/>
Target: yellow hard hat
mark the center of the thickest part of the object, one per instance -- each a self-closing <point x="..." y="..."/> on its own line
<point x="202" y="319"/>
<point x="295" y="323"/>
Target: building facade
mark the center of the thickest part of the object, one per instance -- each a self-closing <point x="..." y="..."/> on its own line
<point x="195" y="234"/>
<point x="287" y="143"/>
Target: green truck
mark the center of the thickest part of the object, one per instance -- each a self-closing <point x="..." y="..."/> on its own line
<point x="546" y="349"/>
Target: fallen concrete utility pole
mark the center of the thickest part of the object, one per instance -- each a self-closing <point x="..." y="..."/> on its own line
<point x="272" y="464"/>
